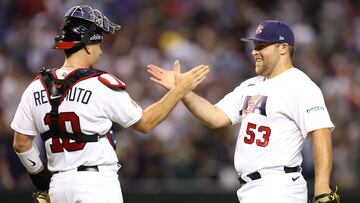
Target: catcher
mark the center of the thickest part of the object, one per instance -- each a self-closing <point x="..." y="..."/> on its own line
<point x="74" y="107"/>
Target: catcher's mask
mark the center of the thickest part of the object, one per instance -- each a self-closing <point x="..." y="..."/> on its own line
<point x="83" y="25"/>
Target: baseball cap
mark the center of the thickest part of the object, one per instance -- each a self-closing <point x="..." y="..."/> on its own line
<point x="273" y="31"/>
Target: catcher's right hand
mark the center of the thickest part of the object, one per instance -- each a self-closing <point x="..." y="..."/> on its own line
<point x="40" y="197"/>
<point x="331" y="197"/>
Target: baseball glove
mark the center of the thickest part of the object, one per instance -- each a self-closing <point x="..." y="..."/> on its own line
<point x="331" y="197"/>
<point x="40" y="197"/>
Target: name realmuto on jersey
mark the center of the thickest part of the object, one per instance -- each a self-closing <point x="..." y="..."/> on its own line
<point x="76" y="94"/>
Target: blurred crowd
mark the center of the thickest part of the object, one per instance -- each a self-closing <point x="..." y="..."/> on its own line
<point x="197" y="32"/>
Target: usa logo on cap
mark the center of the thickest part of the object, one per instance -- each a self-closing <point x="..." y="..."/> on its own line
<point x="259" y="29"/>
<point x="273" y="31"/>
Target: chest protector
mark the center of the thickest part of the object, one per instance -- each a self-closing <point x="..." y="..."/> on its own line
<point x="56" y="90"/>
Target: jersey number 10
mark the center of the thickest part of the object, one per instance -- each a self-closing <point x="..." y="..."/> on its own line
<point x="73" y="120"/>
<point x="250" y="132"/>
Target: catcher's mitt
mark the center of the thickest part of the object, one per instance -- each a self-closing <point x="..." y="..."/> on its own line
<point x="40" y="197"/>
<point x="331" y="197"/>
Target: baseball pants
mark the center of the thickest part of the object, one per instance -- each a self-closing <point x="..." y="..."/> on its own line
<point x="84" y="186"/>
<point x="274" y="186"/>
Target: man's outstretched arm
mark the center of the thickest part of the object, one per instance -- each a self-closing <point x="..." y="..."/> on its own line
<point x="183" y="84"/>
<point x="207" y="113"/>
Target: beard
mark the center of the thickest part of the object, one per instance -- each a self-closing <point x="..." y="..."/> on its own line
<point x="263" y="69"/>
<point x="260" y="68"/>
<point x="266" y="67"/>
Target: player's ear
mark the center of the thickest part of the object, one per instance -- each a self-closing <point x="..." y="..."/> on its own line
<point x="284" y="49"/>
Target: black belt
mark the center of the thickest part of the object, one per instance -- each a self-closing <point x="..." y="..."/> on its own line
<point x="256" y="175"/>
<point x="85" y="168"/>
<point x="88" y="168"/>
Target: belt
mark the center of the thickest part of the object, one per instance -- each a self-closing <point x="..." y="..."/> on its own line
<point x="88" y="168"/>
<point x="256" y="175"/>
<point x="94" y="168"/>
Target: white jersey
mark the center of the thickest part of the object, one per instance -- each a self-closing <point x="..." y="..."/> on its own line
<point x="90" y="107"/>
<point x="275" y="117"/>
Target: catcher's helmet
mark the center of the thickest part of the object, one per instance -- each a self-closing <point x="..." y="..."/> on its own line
<point x="83" y="25"/>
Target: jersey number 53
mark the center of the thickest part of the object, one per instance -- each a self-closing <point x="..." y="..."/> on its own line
<point x="249" y="138"/>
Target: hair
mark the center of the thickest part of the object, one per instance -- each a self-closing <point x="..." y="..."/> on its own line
<point x="69" y="52"/>
<point x="292" y="50"/>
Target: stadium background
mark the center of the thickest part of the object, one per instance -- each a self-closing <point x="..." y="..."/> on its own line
<point x="181" y="160"/>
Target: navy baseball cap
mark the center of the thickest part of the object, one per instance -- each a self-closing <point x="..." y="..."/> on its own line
<point x="273" y="31"/>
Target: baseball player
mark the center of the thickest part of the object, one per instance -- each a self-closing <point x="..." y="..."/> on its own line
<point x="73" y="109"/>
<point x="276" y="110"/>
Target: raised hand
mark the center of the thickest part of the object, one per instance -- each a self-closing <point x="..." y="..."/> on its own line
<point x="170" y="79"/>
<point x="161" y="76"/>
<point x="186" y="82"/>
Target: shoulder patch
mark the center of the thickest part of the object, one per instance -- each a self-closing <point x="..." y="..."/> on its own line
<point x="111" y="81"/>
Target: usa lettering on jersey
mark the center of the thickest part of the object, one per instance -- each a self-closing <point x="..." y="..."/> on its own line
<point x="254" y="104"/>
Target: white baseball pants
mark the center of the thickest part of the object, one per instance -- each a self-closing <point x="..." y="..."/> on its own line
<point x="75" y="186"/>
<point x="274" y="186"/>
